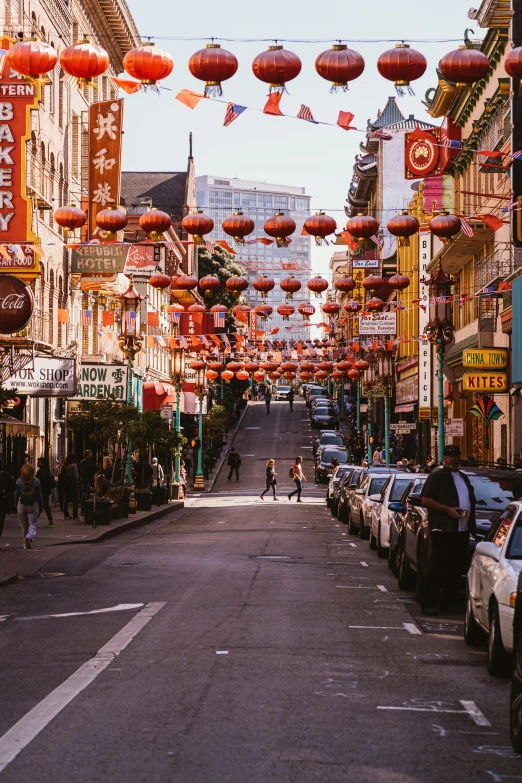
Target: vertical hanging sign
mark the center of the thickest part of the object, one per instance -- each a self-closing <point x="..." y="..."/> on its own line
<point x="17" y="98"/>
<point x="424" y="345"/>
<point x="105" y="137"/>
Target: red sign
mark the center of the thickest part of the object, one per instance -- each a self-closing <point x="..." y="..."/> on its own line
<point x="195" y="324"/>
<point x="421" y="154"/>
<point x="16" y="304"/>
<point x="105" y="134"/>
<point x="17" y="97"/>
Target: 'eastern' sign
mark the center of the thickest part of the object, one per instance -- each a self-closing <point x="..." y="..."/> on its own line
<point x="484" y="359"/>
<point x="492" y="382"/>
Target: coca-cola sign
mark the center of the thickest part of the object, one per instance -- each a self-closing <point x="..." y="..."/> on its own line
<point x="16" y="304"/>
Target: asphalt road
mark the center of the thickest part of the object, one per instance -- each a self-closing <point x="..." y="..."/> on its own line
<point x="251" y="641"/>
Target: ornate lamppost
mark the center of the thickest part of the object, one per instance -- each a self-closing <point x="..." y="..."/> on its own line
<point x="178" y="378"/>
<point x="130" y="344"/>
<point x="367" y="383"/>
<point x="440" y="332"/>
<point x="384" y="383"/>
<point x="201" y="391"/>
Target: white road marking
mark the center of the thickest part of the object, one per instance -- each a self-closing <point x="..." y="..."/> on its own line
<point x="252" y="428"/>
<point x="382" y="588"/>
<point x="27" y="728"/>
<point x="412" y="628"/>
<point x="221" y="652"/>
<point x="364" y="564"/>
<point x="118" y="608"/>
<point x="355" y="587"/>
<point x="474" y="713"/>
<point x="380" y="628"/>
<point x="354" y="546"/>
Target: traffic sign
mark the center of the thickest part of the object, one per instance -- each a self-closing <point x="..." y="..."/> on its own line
<point x="403" y="425"/>
<point x="166" y="412"/>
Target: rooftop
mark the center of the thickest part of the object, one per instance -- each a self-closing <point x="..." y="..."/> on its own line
<point x="165" y="189"/>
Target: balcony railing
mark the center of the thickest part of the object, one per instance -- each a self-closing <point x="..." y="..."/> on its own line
<point x="494" y="267"/>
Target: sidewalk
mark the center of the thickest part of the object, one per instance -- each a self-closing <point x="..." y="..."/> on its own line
<point x="15" y="561"/>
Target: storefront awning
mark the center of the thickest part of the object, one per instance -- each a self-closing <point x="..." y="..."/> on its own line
<point x="405" y="408"/>
<point x="14" y="427"/>
<point x="156" y="394"/>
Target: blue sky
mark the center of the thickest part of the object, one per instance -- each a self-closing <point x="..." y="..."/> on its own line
<point x="275" y="149"/>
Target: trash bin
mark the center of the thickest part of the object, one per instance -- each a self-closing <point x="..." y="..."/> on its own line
<point x="159" y="496"/>
<point x="103" y="511"/>
<point x="143" y="499"/>
<point x="88" y="512"/>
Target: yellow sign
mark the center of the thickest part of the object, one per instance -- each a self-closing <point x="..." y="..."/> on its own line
<point x="492" y="382"/>
<point x="485" y="359"/>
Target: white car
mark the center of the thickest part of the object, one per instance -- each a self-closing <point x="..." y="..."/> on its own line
<point x="392" y="492"/>
<point x="491" y="588"/>
<point x="281" y="392"/>
<point x="364" y="498"/>
<point x="341" y="471"/>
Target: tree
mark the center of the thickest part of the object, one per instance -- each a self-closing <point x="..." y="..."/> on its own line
<point x="223" y="265"/>
<point x="150" y="430"/>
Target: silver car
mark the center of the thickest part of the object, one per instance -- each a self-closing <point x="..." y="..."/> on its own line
<point x="361" y="504"/>
<point x="381" y="518"/>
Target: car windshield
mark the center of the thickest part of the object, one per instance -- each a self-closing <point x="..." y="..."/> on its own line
<point x="283" y="388"/>
<point x="355" y="476"/>
<point x="495" y="494"/>
<point x="331" y="440"/>
<point x="376" y="485"/>
<point x="515" y="545"/>
<point x="316" y="392"/>
<point x="323" y="412"/>
<point x="398" y="489"/>
<point x="328" y="456"/>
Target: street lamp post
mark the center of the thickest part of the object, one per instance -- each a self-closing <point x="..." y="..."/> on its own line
<point x="130" y="343"/>
<point x="178" y="376"/>
<point x="367" y="391"/>
<point x="385" y="383"/>
<point x="440" y="332"/>
<point x="358" y="409"/>
<point x="201" y="390"/>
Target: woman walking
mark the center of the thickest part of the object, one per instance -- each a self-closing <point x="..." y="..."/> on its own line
<point x="271" y="480"/>
<point x="29" y="503"/>
<point x="299" y="477"/>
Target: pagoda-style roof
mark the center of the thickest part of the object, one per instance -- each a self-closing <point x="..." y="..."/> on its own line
<point x="388" y="116"/>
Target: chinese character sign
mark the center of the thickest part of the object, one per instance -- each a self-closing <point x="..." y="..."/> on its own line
<point x="101" y="381"/>
<point x="105" y="136"/>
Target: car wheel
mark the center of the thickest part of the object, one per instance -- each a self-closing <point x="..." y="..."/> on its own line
<point x="473" y="633"/>
<point x="334" y="508"/>
<point x="382" y="551"/>
<point x="421" y="578"/>
<point x="498" y="659"/>
<point x="316" y="479"/>
<point x="342" y="514"/>
<point x="352" y="528"/>
<point x="373" y="540"/>
<point x="405" y="576"/>
<point x="515" y="716"/>
<point x="391" y="559"/>
<point x="327" y="500"/>
<point x="363" y="531"/>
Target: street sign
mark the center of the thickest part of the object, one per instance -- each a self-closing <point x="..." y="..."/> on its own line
<point x="492" y="382"/>
<point x="484" y="359"/>
<point x="454" y="427"/>
<point x="404" y="431"/>
<point x="401" y="425"/>
<point x="166" y="411"/>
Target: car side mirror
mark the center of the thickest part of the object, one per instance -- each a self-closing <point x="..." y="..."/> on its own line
<point x="415" y="500"/>
<point x="329" y="475"/>
<point x="375" y="498"/>
<point x="360" y="492"/>
<point x="396" y="507"/>
<point x="488" y="549"/>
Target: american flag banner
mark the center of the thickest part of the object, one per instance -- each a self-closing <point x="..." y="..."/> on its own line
<point x="487" y="291"/>
<point x="305" y="113"/>
<point x="512" y="206"/>
<point x="219" y="320"/>
<point x="440" y="299"/>
<point x="375" y="239"/>
<point x="86" y="318"/>
<point x="452" y="144"/>
<point x="174" y="317"/>
<point x="516" y="155"/>
<point x="466" y="228"/>
<point x="232" y="113"/>
<point x="209" y="247"/>
<point x="130" y="319"/>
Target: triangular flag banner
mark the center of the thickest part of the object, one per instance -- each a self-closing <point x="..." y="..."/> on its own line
<point x="127" y="85"/>
<point x="490" y="153"/>
<point x="264" y="240"/>
<point x="224" y="244"/>
<point x="272" y="104"/>
<point x="492" y="222"/>
<point x="344" y="120"/>
<point x="189" y="98"/>
<point x="4" y="253"/>
<point x="350" y="241"/>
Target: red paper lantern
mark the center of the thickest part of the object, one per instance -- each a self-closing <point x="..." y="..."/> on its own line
<point x="270" y="366"/>
<point x="445" y="226"/>
<point x="186" y="282"/>
<point x="290" y="286"/>
<point x="401" y="66"/>
<point x="213" y="65"/>
<point x="235" y="285"/>
<point x="352" y="306"/>
<point x="111" y="220"/>
<point x="259" y="376"/>
<point x="305" y="376"/>
<point x="216" y="366"/>
<point x="218" y="309"/>
<point x="354" y="374"/>
<point x="174" y="311"/>
<point x="32" y="58"/>
<point x="373" y="282"/>
<point x="331" y="308"/>
<point x="306" y="310"/>
<point x="289" y="376"/>
<point x="320" y="226"/>
<point x="339" y="65"/>
<point x="399" y="282"/>
<point x="209" y="284"/>
<point x="155" y="222"/>
<point x="361" y="364"/>
<point x="241" y="312"/>
<point x="197" y="364"/>
<point x="362" y="226"/>
<point x="286" y="311"/>
<point x="307" y="367"/>
<point x="288" y="367"/>
<point x="69" y="217"/>
<point x="159" y="280"/>
<point x="344" y="284"/>
<point x="344" y="366"/>
<point x="513" y="63"/>
<point x="326" y="366"/>
<point x="238" y="226"/>
<point x="375" y="304"/>
<point x="242" y="375"/>
<point x="263" y="310"/>
<point x="280" y="227"/>
<point x="403" y="226"/>
<point x="337" y="375"/>
<point x="197" y="308"/>
<point x="211" y="375"/>
<point x="198" y="224"/>
<point x="276" y="66"/>
<point x="465" y="65"/>
<point x="227" y="375"/>
<point x="317" y="284"/>
<point x="263" y="284"/>
<point x="320" y="374"/>
<point x="235" y="366"/>
<point x="148" y="63"/>
<point x="251" y="366"/>
<point x="84" y="61"/>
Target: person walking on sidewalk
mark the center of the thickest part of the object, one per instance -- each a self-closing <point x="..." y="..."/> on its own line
<point x="271" y="479"/>
<point x="7" y="487"/>
<point x="71" y="482"/>
<point x="299" y="477"/>
<point x="234" y="463"/>
<point x="158" y="476"/>
<point x="29" y="503"/>
<point x="86" y="471"/>
<point x="290" y="398"/>
<point x="47" y="483"/>
<point x="268" y="399"/>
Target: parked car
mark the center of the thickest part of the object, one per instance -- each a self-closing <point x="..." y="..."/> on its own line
<point x="325" y="417"/>
<point x="281" y="392"/>
<point x="324" y="466"/>
<point x="491" y="588"/>
<point x="345" y="492"/>
<point x="327" y="438"/>
<point x="336" y="488"/>
<point x="515" y="701"/>
<point x="335" y="480"/>
<point x="392" y="492"/>
<point x="361" y="503"/>
<point x="321" y="402"/>
<point x="397" y="522"/>
<point x="312" y="393"/>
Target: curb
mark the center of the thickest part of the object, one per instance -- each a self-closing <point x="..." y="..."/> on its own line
<point x="221" y="460"/>
<point x="131" y="524"/>
<point x="9" y="579"/>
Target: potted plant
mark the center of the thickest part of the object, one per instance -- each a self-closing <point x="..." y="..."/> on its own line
<point x="103" y="511"/>
<point x="143" y="499"/>
<point x="159" y="495"/>
<point x="88" y="512"/>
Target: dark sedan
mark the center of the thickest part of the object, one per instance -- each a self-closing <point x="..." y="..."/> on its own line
<point x="324" y="466"/>
<point x="328" y="438"/>
<point x="325" y="417"/>
<point x="515" y="703"/>
<point x="345" y="491"/>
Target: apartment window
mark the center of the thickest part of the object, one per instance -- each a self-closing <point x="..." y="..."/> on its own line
<point x="248" y="199"/>
<point x="75" y="146"/>
<point x="281" y="202"/>
<point x="61" y="99"/>
<point x="264" y="201"/>
<point x="221" y="197"/>
<point x="237" y="199"/>
<point x="302" y="203"/>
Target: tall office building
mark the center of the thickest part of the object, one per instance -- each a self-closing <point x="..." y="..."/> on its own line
<point x="219" y="197"/>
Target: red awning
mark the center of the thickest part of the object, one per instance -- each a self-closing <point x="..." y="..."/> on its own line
<point x="156" y="394"/>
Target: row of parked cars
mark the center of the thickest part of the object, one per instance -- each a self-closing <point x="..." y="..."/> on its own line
<point x="323" y="411"/>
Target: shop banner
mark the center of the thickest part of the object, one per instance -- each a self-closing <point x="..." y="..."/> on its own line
<point x="407" y="390"/>
<point x="105" y="136"/>
<point x="379" y="323"/>
<point x="45" y="376"/>
<point x="140" y="260"/>
<point x="101" y="381"/>
<point x="424" y="345"/>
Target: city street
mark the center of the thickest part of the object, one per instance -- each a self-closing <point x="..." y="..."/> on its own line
<point x="240" y="640"/>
